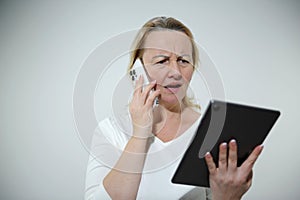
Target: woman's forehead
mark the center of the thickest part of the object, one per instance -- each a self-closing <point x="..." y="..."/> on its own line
<point x="164" y="41"/>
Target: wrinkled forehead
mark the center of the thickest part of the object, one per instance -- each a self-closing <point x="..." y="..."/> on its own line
<point x="168" y="40"/>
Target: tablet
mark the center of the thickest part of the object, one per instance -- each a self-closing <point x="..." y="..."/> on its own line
<point x="223" y="121"/>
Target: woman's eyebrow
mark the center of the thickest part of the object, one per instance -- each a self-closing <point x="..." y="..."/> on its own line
<point x="159" y="56"/>
<point x="184" y="55"/>
<point x="167" y="57"/>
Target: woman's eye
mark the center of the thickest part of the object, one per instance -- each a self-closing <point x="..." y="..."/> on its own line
<point x="161" y="61"/>
<point x="184" y="61"/>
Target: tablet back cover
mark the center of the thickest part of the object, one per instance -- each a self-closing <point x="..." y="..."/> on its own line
<point x="222" y="122"/>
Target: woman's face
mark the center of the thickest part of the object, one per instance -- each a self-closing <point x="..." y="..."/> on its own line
<point x="168" y="60"/>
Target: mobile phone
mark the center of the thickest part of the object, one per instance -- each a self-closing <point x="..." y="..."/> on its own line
<point x="135" y="72"/>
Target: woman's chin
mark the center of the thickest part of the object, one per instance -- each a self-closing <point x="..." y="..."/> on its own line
<point x="170" y="100"/>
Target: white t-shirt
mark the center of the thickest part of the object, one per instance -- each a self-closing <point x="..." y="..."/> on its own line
<point x="109" y="140"/>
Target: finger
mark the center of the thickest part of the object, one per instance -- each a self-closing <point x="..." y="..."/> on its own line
<point x="149" y="87"/>
<point x="249" y="163"/>
<point x="232" y="156"/>
<point x="250" y="175"/>
<point x="223" y="157"/>
<point x="210" y="163"/>
<point x="146" y="91"/>
<point x="249" y="179"/>
<point x="151" y="98"/>
<point x="138" y="88"/>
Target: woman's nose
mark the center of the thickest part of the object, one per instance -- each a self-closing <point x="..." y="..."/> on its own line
<point x="174" y="70"/>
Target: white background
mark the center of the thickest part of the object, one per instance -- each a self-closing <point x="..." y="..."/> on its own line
<point x="255" y="46"/>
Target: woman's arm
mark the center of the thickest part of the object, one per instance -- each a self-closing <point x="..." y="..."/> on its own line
<point x="123" y="181"/>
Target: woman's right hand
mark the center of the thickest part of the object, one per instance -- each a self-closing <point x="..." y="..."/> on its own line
<point x="141" y="108"/>
<point x="228" y="181"/>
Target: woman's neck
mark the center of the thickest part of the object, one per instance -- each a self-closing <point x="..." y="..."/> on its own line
<point x="169" y="124"/>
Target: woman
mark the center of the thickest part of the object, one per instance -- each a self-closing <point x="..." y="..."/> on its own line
<point x="166" y="49"/>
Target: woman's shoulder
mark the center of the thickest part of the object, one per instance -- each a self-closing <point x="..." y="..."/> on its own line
<point x="112" y="131"/>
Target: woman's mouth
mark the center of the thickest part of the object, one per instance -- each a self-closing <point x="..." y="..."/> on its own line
<point x="173" y="88"/>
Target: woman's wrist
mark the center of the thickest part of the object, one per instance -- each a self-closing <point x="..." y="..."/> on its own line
<point x="142" y="133"/>
<point x="145" y="139"/>
<point x="224" y="198"/>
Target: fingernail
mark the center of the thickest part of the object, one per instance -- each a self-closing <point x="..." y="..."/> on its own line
<point x="233" y="141"/>
<point x="262" y="147"/>
<point x="207" y="154"/>
<point x="224" y="144"/>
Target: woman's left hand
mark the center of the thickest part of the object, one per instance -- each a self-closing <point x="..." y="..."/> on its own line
<point x="229" y="181"/>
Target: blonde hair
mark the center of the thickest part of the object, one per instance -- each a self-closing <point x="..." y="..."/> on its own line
<point x="161" y="23"/>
